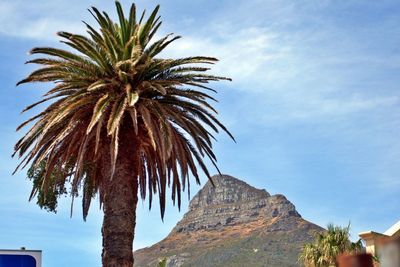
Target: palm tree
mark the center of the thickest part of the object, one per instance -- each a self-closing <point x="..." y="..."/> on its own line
<point x="327" y="246"/>
<point x="121" y="122"/>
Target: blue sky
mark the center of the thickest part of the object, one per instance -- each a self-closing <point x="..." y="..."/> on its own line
<point x="314" y="105"/>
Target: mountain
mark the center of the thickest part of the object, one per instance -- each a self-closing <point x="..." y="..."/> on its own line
<point x="233" y="224"/>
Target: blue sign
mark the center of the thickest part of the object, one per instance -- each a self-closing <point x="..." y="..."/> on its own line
<point x="17" y="261"/>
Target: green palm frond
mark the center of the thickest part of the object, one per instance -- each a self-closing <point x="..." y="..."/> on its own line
<point x="110" y="82"/>
<point x="327" y="246"/>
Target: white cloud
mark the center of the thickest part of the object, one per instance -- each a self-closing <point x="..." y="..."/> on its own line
<point x="272" y="70"/>
<point x="302" y="73"/>
<point x="36" y="20"/>
<point x="246" y="55"/>
<point x="319" y="107"/>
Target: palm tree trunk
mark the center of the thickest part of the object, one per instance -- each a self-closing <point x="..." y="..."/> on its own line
<point x="119" y="198"/>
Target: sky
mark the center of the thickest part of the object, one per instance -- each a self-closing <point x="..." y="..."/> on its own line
<point x="314" y="106"/>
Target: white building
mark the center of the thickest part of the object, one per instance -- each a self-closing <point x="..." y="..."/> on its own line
<point x="375" y="245"/>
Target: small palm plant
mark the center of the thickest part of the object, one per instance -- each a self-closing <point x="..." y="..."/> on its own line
<point x="327" y="246"/>
<point x="162" y="263"/>
<point x="122" y="122"/>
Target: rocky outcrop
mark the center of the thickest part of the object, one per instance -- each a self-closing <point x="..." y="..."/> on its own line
<point x="231" y="202"/>
<point x="233" y="224"/>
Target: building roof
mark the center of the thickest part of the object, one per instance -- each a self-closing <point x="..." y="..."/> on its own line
<point x="369" y="234"/>
<point x="393" y="230"/>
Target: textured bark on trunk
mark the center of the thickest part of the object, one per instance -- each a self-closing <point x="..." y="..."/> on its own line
<point x="119" y="206"/>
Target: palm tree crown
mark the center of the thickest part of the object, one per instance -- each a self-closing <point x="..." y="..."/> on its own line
<point x="112" y="90"/>
<point x="328" y="246"/>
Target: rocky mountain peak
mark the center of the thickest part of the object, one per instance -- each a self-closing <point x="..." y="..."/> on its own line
<point x="231" y="201"/>
<point x="226" y="190"/>
<point x="233" y="224"/>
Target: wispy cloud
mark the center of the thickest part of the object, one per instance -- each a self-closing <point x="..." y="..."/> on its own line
<point x="36" y="20"/>
<point x="302" y="73"/>
<point x="323" y="71"/>
<point x="290" y="73"/>
<point x="297" y="85"/>
<point x="319" y="107"/>
<point x="246" y="54"/>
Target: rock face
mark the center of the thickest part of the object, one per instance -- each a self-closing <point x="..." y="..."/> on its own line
<point x="233" y="224"/>
<point x="232" y="202"/>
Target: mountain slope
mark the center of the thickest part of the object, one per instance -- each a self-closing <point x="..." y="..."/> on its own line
<point x="233" y="224"/>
